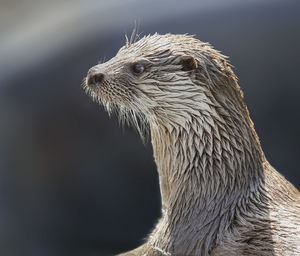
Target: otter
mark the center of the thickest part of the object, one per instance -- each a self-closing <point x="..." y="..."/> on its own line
<point x="219" y="194"/>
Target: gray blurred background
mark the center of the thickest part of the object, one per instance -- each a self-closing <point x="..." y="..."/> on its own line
<point x="72" y="182"/>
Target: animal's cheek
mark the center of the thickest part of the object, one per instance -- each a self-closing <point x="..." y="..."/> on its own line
<point x="119" y="88"/>
<point x="122" y="79"/>
<point x="147" y="90"/>
<point x="150" y="82"/>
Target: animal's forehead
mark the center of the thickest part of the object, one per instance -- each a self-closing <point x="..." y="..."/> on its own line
<point x="155" y="44"/>
<point x="146" y="45"/>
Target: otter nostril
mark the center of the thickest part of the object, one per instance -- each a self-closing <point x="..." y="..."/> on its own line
<point x="95" y="79"/>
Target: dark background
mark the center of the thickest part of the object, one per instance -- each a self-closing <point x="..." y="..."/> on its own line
<point x="72" y="182"/>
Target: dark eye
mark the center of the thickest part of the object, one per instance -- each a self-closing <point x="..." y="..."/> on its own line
<point x="137" y="68"/>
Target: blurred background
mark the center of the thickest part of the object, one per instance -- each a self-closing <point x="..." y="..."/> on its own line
<point x="72" y="182"/>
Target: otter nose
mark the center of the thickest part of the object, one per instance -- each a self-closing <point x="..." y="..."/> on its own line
<point x="95" y="79"/>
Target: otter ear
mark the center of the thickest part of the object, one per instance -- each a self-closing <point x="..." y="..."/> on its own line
<point x="188" y="63"/>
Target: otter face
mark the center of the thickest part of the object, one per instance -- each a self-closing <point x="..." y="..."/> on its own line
<point x="154" y="76"/>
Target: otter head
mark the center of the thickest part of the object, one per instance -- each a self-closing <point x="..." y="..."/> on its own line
<point x="167" y="78"/>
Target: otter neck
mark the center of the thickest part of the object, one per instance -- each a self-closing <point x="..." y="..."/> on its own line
<point x="206" y="167"/>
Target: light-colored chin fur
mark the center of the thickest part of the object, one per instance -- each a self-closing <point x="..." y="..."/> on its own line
<point x="127" y="114"/>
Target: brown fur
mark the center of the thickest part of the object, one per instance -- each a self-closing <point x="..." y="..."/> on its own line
<point x="220" y="196"/>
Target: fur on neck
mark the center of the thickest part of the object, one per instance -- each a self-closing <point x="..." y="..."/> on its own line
<point x="209" y="162"/>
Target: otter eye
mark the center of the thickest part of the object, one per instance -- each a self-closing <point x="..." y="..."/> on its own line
<point x="137" y="68"/>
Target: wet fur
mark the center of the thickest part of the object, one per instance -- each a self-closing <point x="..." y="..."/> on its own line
<point x="220" y="196"/>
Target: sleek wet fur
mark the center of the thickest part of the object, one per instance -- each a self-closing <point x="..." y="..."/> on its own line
<point x="220" y="196"/>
